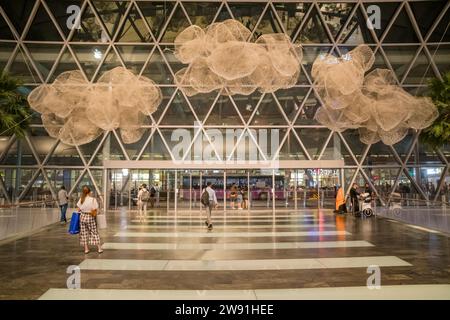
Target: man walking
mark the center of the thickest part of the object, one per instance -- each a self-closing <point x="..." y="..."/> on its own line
<point x="233" y="195"/>
<point x="143" y="198"/>
<point x="209" y="200"/>
<point x="156" y="186"/>
<point x="63" y="203"/>
<point x="152" y="195"/>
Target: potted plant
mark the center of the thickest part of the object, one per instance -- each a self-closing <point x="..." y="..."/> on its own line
<point x="14" y="110"/>
<point x="438" y="133"/>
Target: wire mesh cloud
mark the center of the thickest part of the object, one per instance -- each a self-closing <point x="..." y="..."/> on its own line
<point x="373" y="103"/>
<point x="223" y="55"/>
<point x="77" y="112"/>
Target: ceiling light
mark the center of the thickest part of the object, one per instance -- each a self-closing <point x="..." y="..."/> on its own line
<point x="97" y="54"/>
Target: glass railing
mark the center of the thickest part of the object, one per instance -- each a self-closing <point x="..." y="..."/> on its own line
<point x="430" y="214"/>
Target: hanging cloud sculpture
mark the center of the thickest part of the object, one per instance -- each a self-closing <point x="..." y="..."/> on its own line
<point x="77" y="112"/>
<point x="221" y="56"/>
<point x="373" y="103"/>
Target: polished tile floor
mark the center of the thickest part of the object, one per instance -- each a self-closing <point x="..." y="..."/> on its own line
<point x="308" y="254"/>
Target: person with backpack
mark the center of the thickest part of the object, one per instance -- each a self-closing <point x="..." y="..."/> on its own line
<point x="143" y="198"/>
<point x="209" y="201"/>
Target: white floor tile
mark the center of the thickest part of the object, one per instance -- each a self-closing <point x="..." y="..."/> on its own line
<point x="241" y="215"/>
<point x="400" y="292"/>
<point x="269" y="220"/>
<point x="116" y="294"/>
<point x="260" y="264"/>
<point x="354" y="262"/>
<point x="214" y="234"/>
<point x="122" y="264"/>
<point x="200" y="225"/>
<point x="233" y="246"/>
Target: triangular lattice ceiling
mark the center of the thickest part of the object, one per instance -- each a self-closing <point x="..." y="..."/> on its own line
<point x="140" y="34"/>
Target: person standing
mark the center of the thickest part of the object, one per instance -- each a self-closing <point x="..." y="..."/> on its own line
<point x="240" y="198"/>
<point x="354" y="194"/>
<point x="245" y="198"/>
<point x="340" y="201"/>
<point x="88" y="206"/>
<point x="212" y="203"/>
<point x="157" y="194"/>
<point x="152" y="195"/>
<point x="368" y="189"/>
<point x="233" y="195"/>
<point x="63" y="203"/>
<point x="143" y="197"/>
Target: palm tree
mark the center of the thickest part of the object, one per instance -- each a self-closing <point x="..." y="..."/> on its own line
<point x="14" y="110"/>
<point x="438" y="133"/>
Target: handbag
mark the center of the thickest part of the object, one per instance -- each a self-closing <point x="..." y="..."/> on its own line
<point x="93" y="213"/>
<point x="101" y="221"/>
<point x="74" y="227"/>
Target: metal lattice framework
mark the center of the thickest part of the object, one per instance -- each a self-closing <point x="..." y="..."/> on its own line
<point x="139" y="35"/>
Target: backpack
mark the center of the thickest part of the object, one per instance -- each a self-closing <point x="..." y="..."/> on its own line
<point x="152" y="191"/>
<point x="205" y="198"/>
<point x="145" y="195"/>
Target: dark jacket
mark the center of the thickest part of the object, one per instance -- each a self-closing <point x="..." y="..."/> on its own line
<point x="353" y="193"/>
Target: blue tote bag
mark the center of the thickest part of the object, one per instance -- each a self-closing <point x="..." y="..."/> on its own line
<point x="74" y="227"/>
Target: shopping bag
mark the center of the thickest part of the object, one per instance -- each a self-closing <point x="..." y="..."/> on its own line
<point x="101" y="221"/>
<point x="74" y="227"/>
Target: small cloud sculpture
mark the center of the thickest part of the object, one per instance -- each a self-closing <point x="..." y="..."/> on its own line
<point x="373" y="103"/>
<point x="77" y="112"/>
<point x="223" y="56"/>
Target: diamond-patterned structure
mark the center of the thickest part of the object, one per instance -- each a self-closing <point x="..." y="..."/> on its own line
<point x="37" y="44"/>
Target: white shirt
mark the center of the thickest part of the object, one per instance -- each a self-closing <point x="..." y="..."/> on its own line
<point x="62" y="197"/>
<point x="212" y="194"/>
<point x="88" y="205"/>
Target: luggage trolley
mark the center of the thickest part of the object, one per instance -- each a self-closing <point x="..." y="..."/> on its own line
<point x="365" y="204"/>
<point x="395" y="205"/>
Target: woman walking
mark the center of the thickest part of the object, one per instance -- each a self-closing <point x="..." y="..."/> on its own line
<point x="245" y="198"/>
<point x="88" y="207"/>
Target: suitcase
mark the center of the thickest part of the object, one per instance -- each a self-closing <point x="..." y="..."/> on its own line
<point x="74" y="227"/>
<point x="101" y="221"/>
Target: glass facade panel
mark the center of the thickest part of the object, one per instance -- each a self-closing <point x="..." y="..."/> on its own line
<point x="6" y="50"/>
<point x="401" y="30"/>
<point x="356" y="31"/>
<point x="140" y="36"/>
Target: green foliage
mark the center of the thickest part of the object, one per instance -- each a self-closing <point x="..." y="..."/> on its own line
<point x="14" y="109"/>
<point x="438" y="133"/>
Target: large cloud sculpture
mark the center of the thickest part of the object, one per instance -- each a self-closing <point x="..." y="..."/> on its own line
<point x="223" y="56"/>
<point x="373" y="103"/>
<point x="77" y="112"/>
